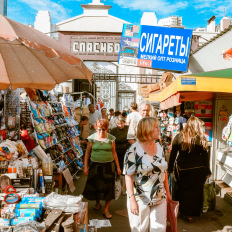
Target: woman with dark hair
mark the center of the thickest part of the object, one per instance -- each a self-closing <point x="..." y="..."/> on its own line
<point x="122" y="144"/>
<point x="193" y="167"/>
<point x="101" y="171"/>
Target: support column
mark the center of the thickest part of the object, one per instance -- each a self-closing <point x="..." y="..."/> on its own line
<point x="116" y="96"/>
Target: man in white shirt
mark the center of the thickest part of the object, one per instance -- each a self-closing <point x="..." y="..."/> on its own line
<point x="134" y="117"/>
<point x="112" y="123"/>
<point x="94" y="115"/>
<point x="111" y="115"/>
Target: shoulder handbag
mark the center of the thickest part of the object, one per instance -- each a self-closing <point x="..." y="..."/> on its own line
<point x="117" y="187"/>
<point x="209" y="197"/>
<point x="172" y="212"/>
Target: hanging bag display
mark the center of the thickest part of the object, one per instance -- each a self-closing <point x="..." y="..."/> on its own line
<point x="117" y="187"/>
<point x="209" y="197"/>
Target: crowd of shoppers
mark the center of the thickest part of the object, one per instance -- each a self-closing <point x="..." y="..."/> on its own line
<point x="131" y="142"/>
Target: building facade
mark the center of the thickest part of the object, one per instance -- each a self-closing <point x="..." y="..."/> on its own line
<point x="95" y="37"/>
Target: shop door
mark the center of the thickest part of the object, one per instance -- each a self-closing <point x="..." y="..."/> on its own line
<point x="125" y="97"/>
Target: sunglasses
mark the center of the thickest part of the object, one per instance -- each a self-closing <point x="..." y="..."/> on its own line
<point x="101" y="129"/>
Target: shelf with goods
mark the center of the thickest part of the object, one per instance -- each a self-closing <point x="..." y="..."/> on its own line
<point x="173" y="119"/>
<point x="12" y="114"/>
<point x="54" y="132"/>
<point x="22" y="167"/>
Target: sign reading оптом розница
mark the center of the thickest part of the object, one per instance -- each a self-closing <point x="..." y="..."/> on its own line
<point x="155" y="47"/>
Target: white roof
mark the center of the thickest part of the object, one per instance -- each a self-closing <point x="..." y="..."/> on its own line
<point x="209" y="57"/>
<point x="84" y="23"/>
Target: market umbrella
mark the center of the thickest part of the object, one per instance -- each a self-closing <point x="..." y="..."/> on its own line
<point x="31" y="59"/>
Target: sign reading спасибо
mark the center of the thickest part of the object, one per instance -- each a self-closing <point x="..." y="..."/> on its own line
<point x="155" y="47"/>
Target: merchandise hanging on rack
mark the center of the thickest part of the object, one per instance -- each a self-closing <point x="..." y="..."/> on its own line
<point x="12" y="114"/>
<point x="55" y="133"/>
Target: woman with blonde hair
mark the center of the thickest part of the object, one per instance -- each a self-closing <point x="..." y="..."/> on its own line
<point x="191" y="161"/>
<point x="146" y="180"/>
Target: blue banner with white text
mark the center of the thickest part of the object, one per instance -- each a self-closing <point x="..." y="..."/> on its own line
<point x="155" y="47"/>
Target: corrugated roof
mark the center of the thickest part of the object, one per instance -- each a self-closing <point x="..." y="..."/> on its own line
<point x="224" y="73"/>
<point x="214" y="38"/>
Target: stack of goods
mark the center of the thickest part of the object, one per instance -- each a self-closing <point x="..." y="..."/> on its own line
<point x="66" y="213"/>
<point x="29" y="209"/>
<point x="15" y="159"/>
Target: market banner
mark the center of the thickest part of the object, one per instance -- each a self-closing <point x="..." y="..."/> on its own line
<point x="155" y="47"/>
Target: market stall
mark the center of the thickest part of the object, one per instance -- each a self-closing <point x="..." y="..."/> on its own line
<point x="26" y="176"/>
<point x="31" y="59"/>
<point x="209" y="97"/>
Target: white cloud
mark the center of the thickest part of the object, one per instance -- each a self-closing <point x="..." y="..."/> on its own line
<point x="57" y="11"/>
<point x="162" y="7"/>
<point x="216" y="7"/>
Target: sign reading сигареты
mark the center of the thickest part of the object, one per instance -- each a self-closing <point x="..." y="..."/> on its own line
<point x="155" y="47"/>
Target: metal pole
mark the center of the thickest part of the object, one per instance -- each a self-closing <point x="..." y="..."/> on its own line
<point x="116" y="88"/>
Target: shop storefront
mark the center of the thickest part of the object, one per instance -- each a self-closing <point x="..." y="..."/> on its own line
<point x="209" y="97"/>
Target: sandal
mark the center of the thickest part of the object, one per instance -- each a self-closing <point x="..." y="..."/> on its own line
<point x="107" y="215"/>
<point x="97" y="206"/>
<point x="188" y="219"/>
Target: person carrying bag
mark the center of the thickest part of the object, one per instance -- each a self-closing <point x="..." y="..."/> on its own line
<point x="191" y="167"/>
<point x="146" y="180"/>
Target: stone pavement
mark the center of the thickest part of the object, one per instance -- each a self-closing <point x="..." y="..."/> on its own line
<point x="216" y="221"/>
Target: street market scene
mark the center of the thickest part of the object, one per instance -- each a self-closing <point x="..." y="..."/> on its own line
<point x="115" y="116"/>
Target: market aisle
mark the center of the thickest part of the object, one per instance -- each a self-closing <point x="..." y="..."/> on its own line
<point x="210" y="222"/>
<point x="119" y="223"/>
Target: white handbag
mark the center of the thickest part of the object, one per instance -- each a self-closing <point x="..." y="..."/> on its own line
<point x="117" y="187"/>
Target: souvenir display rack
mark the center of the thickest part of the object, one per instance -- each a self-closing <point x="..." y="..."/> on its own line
<point x="56" y="134"/>
<point x="25" y="114"/>
<point x="12" y="114"/>
<point x="21" y="176"/>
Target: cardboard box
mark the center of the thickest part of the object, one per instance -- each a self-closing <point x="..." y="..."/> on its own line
<point x="65" y="89"/>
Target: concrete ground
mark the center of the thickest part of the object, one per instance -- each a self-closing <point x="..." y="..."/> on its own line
<point x="215" y="221"/>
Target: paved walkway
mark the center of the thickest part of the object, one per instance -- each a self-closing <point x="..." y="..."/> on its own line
<point x="210" y="222"/>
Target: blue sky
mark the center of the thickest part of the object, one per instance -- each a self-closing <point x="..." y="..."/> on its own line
<point x="195" y="13"/>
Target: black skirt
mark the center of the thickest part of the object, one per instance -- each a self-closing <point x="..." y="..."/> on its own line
<point x="190" y="192"/>
<point x="100" y="182"/>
